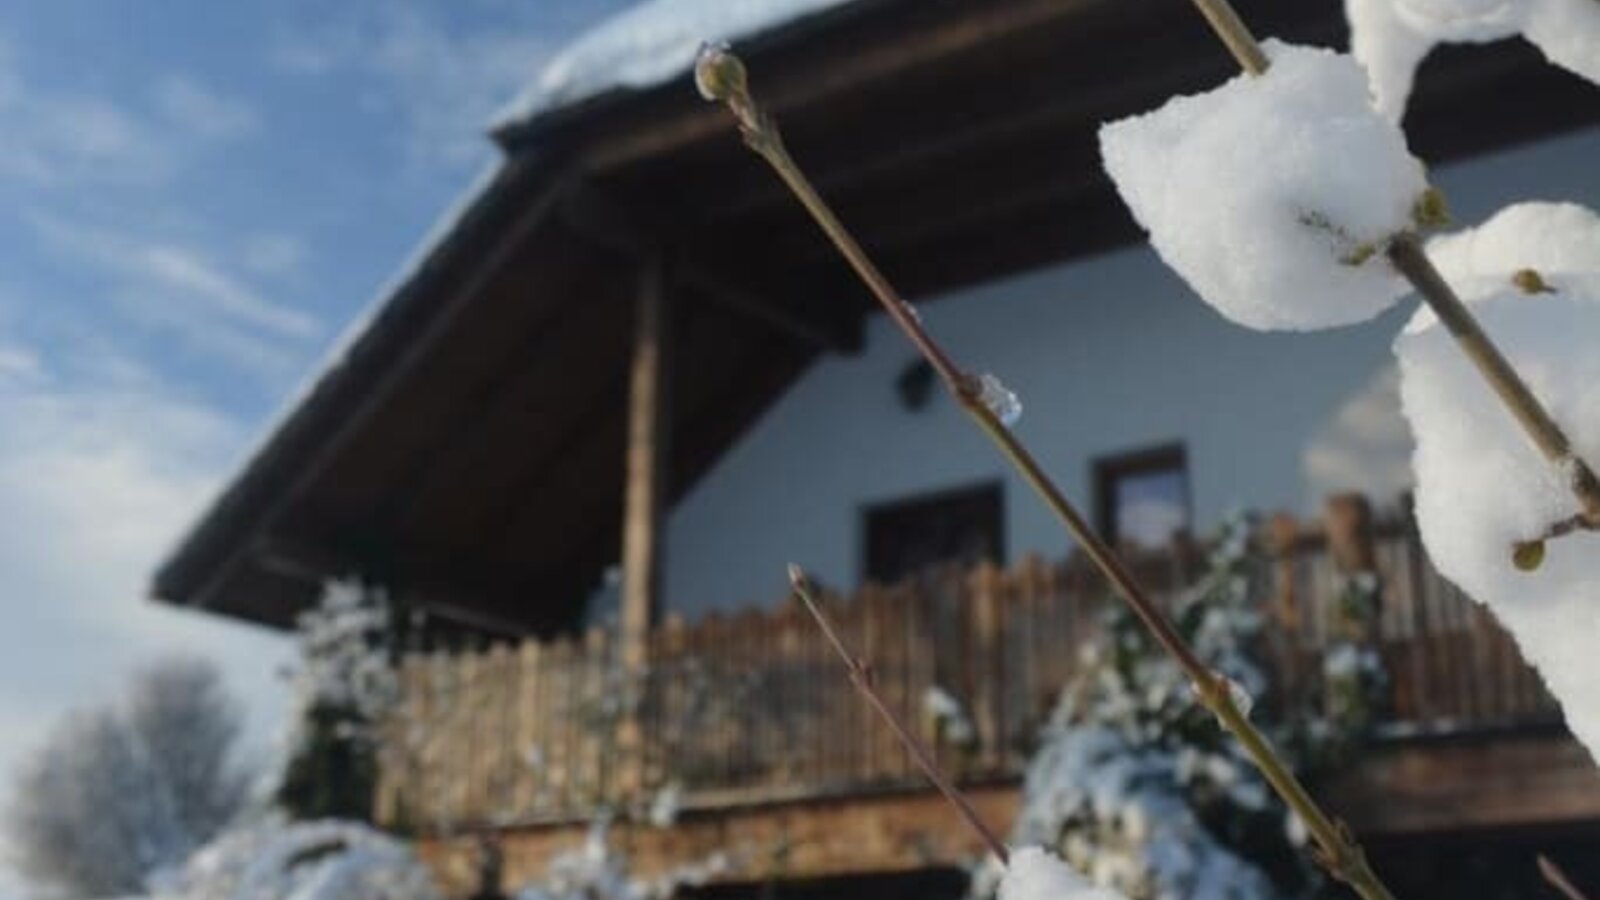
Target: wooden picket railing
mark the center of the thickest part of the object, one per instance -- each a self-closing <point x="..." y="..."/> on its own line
<point x="754" y="708"/>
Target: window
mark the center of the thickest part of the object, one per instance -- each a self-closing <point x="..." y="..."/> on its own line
<point x="963" y="526"/>
<point x="1142" y="498"/>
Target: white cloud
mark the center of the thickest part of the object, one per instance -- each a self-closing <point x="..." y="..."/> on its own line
<point x="59" y="137"/>
<point x="443" y="85"/>
<point x="19" y="364"/>
<point x="273" y="254"/>
<point x="186" y="270"/>
<point x="1366" y="446"/>
<point x="97" y="476"/>
<point x="73" y="140"/>
<point x="190" y="105"/>
<point x="183" y="291"/>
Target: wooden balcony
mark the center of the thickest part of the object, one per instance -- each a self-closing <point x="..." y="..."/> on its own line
<point x="753" y="712"/>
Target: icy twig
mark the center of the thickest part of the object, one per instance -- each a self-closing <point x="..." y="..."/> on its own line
<point x="1558" y="879"/>
<point x="861" y="675"/>
<point x="1405" y="253"/>
<point x="721" y="77"/>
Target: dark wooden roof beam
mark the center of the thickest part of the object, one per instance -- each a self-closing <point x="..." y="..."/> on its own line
<point x="510" y="418"/>
<point x="534" y="213"/>
<point x="950" y="135"/>
<point x="582" y="445"/>
<point x="468" y="592"/>
<point x="604" y="220"/>
<point x="472" y="617"/>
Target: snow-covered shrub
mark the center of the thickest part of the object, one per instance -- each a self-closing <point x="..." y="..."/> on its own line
<point x="344" y="653"/>
<point x="1117" y="809"/>
<point x="1391" y="37"/>
<point x="345" y="685"/>
<point x="1337" y="714"/>
<point x="1481" y="485"/>
<point x="1037" y="874"/>
<point x="1274" y="195"/>
<point x="1136" y="787"/>
<point x="324" y="860"/>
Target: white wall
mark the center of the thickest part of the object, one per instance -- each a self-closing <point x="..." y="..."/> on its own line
<point x="1108" y="354"/>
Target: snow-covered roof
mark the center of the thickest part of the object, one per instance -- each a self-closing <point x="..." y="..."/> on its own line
<point x="646" y="45"/>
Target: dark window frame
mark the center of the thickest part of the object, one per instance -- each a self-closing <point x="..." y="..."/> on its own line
<point x="1111" y="468"/>
<point x="990" y="491"/>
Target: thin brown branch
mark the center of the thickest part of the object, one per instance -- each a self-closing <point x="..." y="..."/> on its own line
<point x="1234" y="34"/>
<point x="1406" y="253"/>
<point x="1558" y="879"/>
<point x="721" y="77"/>
<point x="861" y="675"/>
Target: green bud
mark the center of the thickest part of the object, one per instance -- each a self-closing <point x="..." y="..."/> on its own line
<point x="1530" y="282"/>
<point x="1430" y="209"/>
<point x="1528" y="555"/>
<point x="718" y="74"/>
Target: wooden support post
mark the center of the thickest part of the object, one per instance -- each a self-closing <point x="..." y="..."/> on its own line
<point x="988" y="689"/>
<point x="648" y="422"/>
<point x="1283" y="539"/>
<point x="1349" y="518"/>
<point x="1350" y="543"/>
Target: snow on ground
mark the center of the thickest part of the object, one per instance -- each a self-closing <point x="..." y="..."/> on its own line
<point x="1146" y="838"/>
<point x="1130" y="785"/>
<point x="1036" y="874"/>
<point x="1391" y="37"/>
<point x="273" y="860"/>
<point x="646" y="45"/>
<point x="1481" y="485"/>
<point x="1272" y="195"/>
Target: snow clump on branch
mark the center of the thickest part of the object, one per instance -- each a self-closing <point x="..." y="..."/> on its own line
<point x="1391" y="37"/>
<point x="1532" y="276"/>
<point x="1274" y="195"/>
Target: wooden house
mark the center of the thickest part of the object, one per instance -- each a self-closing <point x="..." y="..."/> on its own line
<point x="627" y="380"/>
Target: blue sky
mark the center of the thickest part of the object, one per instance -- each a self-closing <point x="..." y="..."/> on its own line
<point x="195" y="198"/>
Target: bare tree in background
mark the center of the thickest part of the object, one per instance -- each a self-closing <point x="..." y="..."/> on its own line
<point x="117" y="792"/>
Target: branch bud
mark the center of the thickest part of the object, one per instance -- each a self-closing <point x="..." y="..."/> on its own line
<point x="1527" y="555"/>
<point x="1430" y="210"/>
<point x="1529" y="281"/>
<point x="718" y="74"/>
